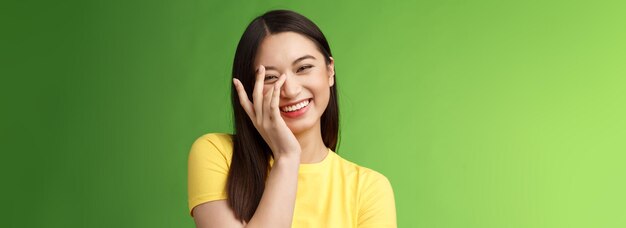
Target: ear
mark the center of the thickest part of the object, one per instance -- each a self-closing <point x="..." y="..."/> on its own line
<point x="331" y="72"/>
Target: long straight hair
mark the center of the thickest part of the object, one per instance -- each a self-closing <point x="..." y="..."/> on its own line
<point x="251" y="154"/>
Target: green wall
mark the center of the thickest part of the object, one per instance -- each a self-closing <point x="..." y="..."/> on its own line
<point x="481" y="113"/>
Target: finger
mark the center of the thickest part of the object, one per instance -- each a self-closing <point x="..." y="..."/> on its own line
<point x="267" y="99"/>
<point x="274" y="105"/>
<point x="257" y="93"/>
<point x="243" y="99"/>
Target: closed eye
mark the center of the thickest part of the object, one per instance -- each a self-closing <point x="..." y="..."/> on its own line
<point x="303" y="68"/>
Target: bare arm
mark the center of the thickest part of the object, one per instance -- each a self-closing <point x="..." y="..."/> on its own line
<point x="274" y="210"/>
<point x="279" y="198"/>
<point x="278" y="201"/>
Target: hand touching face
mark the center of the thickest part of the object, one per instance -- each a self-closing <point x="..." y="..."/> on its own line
<point x="305" y="92"/>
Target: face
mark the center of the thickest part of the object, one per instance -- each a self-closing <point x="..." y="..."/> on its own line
<point x="306" y="91"/>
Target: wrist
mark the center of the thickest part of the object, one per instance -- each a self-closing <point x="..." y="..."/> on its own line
<point x="288" y="158"/>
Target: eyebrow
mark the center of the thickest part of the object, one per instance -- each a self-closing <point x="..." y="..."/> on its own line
<point x="294" y="62"/>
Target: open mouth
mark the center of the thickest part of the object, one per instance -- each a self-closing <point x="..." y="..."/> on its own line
<point x="295" y="107"/>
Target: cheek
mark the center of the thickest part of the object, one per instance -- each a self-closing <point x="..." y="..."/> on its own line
<point x="267" y="88"/>
<point x="321" y="83"/>
<point x="321" y="89"/>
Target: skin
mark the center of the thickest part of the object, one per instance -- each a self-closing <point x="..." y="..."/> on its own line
<point x="306" y="75"/>
<point x="290" y="69"/>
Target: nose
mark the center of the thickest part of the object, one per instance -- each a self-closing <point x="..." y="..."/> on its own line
<point x="291" y="88"/>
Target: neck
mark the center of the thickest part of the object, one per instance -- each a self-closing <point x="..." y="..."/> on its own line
<point x="312" y="144"/>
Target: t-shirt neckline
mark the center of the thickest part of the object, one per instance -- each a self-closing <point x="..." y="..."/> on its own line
<point x="313" y="167"/>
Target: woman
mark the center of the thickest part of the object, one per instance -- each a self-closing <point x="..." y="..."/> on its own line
<point x="278" y="169"/>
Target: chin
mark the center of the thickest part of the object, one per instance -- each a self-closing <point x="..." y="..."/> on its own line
<point x="300" y="126"/>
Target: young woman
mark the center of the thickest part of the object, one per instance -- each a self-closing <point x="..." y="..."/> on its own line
<point x="278" y="169"/>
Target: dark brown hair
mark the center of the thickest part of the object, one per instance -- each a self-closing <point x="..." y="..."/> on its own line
<point x="251" y="154"/>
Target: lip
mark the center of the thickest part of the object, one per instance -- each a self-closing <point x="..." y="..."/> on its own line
<point x="298" y="113"/>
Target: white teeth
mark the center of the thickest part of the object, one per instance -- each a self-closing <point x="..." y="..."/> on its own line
<point x="295" y="107"/>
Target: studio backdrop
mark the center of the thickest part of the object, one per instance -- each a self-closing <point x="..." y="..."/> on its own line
<point x="482" y="114"/>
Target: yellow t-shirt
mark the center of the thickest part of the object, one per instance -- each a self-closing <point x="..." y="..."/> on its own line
<point x="332" y="193"/>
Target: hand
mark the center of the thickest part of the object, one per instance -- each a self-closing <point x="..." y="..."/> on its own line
<point x="265" y="115"/>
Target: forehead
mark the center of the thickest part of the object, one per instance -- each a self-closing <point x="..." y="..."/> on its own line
<point x="285" y="47"/>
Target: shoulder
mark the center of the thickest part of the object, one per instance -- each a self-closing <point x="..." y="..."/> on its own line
<point x="211" y="145"/>
<point x="375" y="198"/>
<point x="365" y="175"/>
<point x="372" y="180"/>
<point x="371" y="186"/>
<point x="207" y="168"/>
<point x="217" y="139"/>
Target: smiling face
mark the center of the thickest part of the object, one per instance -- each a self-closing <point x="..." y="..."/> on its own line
<point x="306" y="91"/>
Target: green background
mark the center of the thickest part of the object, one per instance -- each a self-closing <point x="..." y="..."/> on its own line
<point x="481" y="113"/>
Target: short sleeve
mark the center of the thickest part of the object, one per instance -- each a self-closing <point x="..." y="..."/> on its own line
<point x="207" y="170"/>
<point x="378" y="208"/>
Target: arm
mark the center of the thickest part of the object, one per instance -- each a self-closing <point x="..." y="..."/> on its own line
<point x="279" y="198"/>
<point x="274" y="210"/>
<point x="277" y="204"/>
